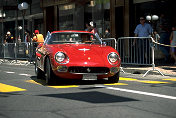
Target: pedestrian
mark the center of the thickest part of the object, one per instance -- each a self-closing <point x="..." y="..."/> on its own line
<point x="27" y="36"/>
<point x="173" y="43"/>
<point x="9" y="42"/>
<point x="9" y="37"/>
<point x="156" y="38"/>
<point x="88" y="27"/>
<point x="143" y="30"/>
<point x="94" y="30"/>
<point x="27" y="41"/>
<point x="37" y="37"/>
<point x="107" y="33"/>
<point x="163" y="30"/>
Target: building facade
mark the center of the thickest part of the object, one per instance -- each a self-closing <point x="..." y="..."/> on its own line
<point x="120" y="16"/>
<point x="13" y="19"/>
<point x="74" y="14"/>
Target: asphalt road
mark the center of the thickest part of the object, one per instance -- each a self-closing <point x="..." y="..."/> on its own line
<point x="23" y="96"/>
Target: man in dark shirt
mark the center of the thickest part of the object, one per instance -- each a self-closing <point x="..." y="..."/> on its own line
<point x="9" y="38"/>
<point x="9" y="42"/>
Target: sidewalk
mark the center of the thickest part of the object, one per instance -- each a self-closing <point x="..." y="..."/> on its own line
<point x="169" y="70"/>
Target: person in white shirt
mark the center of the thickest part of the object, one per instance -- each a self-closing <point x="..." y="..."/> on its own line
<point x="173" y="43"/>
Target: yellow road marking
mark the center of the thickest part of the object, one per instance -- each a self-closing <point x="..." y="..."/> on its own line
<point x="170" y="79"/>
<point x="65" y="86"/>
<point x="144" y="81"/>
<point x="116" y="84"/>
<point x="127" y="79"/>
<point x="8" y="88"/>
<point x="153" y="82"/>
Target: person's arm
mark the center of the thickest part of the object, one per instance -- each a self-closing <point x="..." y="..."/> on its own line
<point x="34" y="39"/>
<point x="135" y="34"/>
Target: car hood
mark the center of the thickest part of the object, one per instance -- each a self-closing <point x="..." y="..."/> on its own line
<point x="84" y="54"/>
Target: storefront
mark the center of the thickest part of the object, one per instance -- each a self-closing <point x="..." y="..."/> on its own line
<point x="74" y="14"/>
<point x="120" y="16"/>
<point x="13" y="19"/>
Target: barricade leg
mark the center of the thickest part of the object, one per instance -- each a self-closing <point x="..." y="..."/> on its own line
<point x="121" y="69"/>
<point x="153" y="64"/>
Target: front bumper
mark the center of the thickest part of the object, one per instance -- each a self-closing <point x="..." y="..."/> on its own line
<point x="77" y="72"/>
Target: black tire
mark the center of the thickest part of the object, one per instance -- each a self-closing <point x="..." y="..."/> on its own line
<point x="114" y="79"/>
<point x="39" y="73"/>
<point x="49" y="73"/>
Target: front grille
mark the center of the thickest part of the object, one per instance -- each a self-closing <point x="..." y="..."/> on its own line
<point x="75" y="69"/>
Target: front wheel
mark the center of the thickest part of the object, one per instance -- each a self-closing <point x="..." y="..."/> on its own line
<point x="49" y="73"/>
<point x="114" y="79"/>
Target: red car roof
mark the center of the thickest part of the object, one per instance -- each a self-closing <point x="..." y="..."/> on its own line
<point x="71" y="31"/>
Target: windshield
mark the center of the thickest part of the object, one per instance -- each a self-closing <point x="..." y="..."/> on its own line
<point x="72" y="38"/>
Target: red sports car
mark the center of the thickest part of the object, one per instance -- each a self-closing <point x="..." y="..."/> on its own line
<point x="76" y="55"/>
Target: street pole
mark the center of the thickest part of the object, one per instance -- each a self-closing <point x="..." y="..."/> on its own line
<point x="2" y="27"/>
<point x="2" y="30"/>
<point x="23" y="6"/>
<point x="16" y="27"/>
<point x="23" y="27"/>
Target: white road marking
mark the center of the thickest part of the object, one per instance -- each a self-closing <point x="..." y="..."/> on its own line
<point x="140" y="92"/>
<point x="28" y="75"/>
<point x="9" y="72"/>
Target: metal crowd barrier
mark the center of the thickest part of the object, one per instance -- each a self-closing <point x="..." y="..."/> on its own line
<point x="137" y="51"/>
<point x="110" y="42"/>
<point x="26" y="51"/>
<point x="132" y="50"/>
<point x="18" y="51"/>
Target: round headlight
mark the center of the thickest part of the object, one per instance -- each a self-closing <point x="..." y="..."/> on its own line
<point x="113" y="57"/>
<point x="60" y="57"/>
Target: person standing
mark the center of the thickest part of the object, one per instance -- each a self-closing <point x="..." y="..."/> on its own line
<point x="94" y="30"/>
<point x="27" y="36"/>
<point x="173" y="43"/>
<point x="143" y="30"/>
<point x="9" y="40"/>
<point x="163" y="30"/>
<point x="27" y="41"/>
<point x="38" y="37"/>
<point x="87" y="27"/>
<point x="107" y="33"/>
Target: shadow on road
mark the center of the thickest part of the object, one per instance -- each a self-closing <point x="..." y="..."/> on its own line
<point x="91" y="97"/>
<point x="69" y="81"/>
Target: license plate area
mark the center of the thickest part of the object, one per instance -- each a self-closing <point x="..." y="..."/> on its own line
<point x="89" y="77"/>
